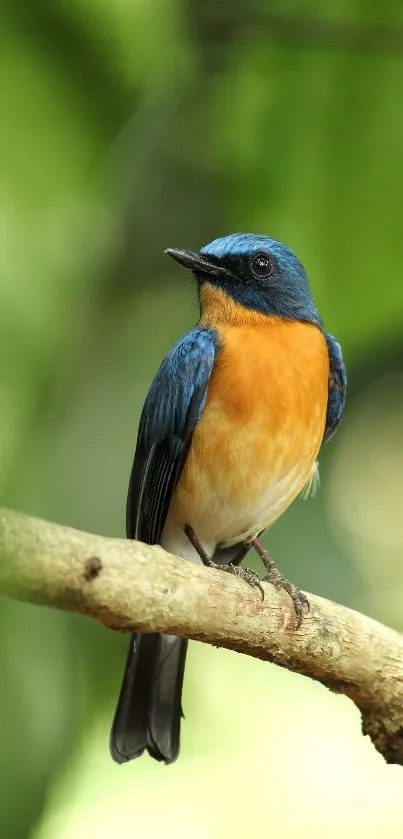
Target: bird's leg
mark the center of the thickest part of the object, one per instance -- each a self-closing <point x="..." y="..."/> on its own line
<point x="246" y="574"/>
<point x="301" y="603"/>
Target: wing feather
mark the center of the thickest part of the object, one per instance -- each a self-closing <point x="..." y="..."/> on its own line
<point x="171" y="412"/>
<point x="337" y="387"/>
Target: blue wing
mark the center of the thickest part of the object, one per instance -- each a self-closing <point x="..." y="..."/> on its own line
<point x="337" y="387"/>
<point x="170" y="414"/>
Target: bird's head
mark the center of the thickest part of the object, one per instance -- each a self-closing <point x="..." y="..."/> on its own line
<point x="257" y="272"/>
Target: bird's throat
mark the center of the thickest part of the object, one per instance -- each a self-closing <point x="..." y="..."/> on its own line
<point x="217" y="307"/>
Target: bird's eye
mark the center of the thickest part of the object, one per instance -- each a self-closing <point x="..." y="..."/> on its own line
<point x="262" y="265"/>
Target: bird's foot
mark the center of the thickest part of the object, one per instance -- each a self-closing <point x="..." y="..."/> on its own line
<point x="300" y="601"/>
<point x="250" y="577"/>
<point x="274" y="576"/>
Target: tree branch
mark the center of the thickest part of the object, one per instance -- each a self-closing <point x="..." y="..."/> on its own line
<point x="134" y="587"/>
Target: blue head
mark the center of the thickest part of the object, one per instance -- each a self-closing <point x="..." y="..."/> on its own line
<point x="257" y="272"/>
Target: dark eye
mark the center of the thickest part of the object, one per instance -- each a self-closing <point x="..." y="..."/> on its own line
<point x="262" y="265"/>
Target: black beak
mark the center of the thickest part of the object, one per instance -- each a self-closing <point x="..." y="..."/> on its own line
<point x="197" y="262"/>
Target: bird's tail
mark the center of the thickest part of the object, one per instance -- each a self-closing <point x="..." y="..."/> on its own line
<point x="149" y="709"/>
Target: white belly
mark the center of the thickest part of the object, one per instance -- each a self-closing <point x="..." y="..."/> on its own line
<point x="224" y="526"/>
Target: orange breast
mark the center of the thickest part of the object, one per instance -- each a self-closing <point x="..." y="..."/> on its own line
<point x="261" y="429"/>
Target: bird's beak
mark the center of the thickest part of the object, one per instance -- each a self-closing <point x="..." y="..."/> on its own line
<point x="197" y="262"/>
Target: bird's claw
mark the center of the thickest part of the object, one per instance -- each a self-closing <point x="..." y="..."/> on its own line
<point x="251" y="577"/>
<point x="300" y="601"/>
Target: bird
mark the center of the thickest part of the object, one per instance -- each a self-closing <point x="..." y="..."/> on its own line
<point x="229" y="436"/>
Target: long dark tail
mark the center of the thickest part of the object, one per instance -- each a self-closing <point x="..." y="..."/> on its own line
<point x="149" y="709"/>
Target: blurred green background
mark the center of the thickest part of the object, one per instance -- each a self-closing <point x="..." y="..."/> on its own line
<point x="128" y="127"/>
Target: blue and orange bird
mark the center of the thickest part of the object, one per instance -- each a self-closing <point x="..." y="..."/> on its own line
<point x="229" y="435"/>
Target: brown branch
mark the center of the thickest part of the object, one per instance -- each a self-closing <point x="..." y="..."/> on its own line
<point x="134" y="587"/>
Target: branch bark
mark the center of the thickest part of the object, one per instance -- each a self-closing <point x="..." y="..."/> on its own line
<point x="133" y="587"/>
